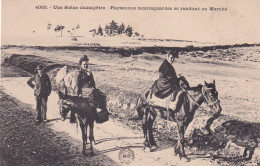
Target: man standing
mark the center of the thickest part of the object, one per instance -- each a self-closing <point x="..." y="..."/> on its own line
<point x="42" y="89"/>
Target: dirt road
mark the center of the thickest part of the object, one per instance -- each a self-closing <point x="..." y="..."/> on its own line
<point x="236" y="85"/>
<point x="110" y="136"/>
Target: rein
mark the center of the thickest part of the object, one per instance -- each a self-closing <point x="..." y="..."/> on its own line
<point x="191" y="97"/>
<point x="203" y="94"/>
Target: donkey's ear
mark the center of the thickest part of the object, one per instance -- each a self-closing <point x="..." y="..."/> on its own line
<point x="214" y="81"/>
<point x="61" y="95"/>
<point x="205" y="83"/>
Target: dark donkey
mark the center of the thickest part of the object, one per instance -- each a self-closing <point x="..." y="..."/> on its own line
<point x="188" y="102"/>
<point x="85" y="114"/>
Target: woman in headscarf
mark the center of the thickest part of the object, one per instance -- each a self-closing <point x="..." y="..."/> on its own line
<point x="85" y="83"/>
<point x="168" y="81"/>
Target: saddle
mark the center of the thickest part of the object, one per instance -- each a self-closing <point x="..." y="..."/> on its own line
<point x="168" y="102"/>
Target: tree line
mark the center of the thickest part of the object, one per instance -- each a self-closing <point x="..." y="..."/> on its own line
<point x="110" y="29"/>
<point x="114" y="29"/>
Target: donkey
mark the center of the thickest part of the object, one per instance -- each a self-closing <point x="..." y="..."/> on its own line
<point x="188" y="101"/>
<point x="85" y="114"/>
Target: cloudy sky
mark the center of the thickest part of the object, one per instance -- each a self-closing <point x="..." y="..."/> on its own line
<point x="240" y="23"/>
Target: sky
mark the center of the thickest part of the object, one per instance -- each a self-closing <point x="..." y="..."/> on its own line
<point x="239" y="24"/>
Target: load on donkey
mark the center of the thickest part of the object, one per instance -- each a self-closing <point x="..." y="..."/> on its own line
<point x="80" y="97"/>
<point x="81" y="83"/>
<point x="172" y="99"/>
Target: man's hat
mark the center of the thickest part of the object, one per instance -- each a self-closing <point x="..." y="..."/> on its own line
<point x="39" y="67"/>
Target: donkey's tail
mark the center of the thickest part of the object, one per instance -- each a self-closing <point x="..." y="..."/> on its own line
<point x="138" y="107"/>
<point x="141" y="103"/>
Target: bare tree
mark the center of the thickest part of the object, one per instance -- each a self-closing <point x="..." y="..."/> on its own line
<point x="59" y="28"/>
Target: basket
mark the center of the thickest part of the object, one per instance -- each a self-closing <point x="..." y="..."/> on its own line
<point x="102" y="116"/>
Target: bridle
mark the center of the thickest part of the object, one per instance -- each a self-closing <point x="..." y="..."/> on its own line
<point x="203" y="89"/>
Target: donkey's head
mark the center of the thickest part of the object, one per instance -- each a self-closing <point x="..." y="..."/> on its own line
<point x="210" y="95"/>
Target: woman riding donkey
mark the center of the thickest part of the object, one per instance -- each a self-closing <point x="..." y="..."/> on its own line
<point x="85" y="81"/>
<point x="83" y="101"/>
<point x="86" y="87"/>
<point x="170" y="88"/>
<point x="166" y="87"/>
<point x="168" y="81"/>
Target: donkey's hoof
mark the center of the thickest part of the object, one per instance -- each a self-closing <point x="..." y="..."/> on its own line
<point x="153" y="148"/>
<point x="184" y="158"/>
<point x="176" y="152"/>
<point x="91" y="154"/>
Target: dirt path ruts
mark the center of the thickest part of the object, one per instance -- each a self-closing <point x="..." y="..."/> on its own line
<point x="57" y="142"/>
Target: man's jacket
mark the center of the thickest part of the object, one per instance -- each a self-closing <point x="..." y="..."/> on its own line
<point x="42" y="84"/>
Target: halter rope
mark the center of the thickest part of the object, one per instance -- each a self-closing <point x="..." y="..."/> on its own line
<point x="202" y="92"/>
<point x="208" y="103"/>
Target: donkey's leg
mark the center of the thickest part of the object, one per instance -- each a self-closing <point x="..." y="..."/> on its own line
<point x="86" y="131"/>
<point x="93" y="133"/>
<point x="177" y="148"/>
<point x="182" y="154"/>
<point x="84" y="136"/>
<point x="144" y="126"/>
<point x="189" y="138"/>
<point x="150" y="121"/>
<point x="91" y="136"/>
<point x="177" y="145"/>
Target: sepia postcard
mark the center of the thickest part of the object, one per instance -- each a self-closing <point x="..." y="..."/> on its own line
<point x="130" y="82"/>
